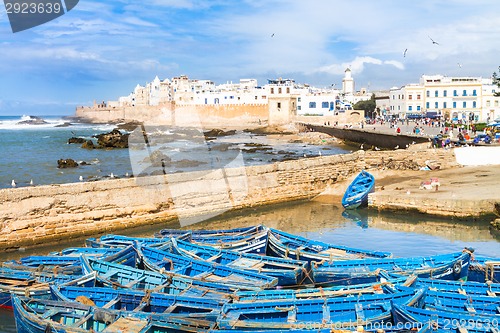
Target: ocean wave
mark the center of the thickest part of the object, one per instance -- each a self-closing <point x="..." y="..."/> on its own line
<point x="29" y="122"/>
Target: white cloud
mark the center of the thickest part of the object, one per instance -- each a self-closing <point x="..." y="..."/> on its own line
<point x="357" y="65"/>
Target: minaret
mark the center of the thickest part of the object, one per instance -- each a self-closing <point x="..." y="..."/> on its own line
<point x="348" y="83"/>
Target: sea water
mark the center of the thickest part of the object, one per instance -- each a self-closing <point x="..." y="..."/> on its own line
<point x="29" y="153"/>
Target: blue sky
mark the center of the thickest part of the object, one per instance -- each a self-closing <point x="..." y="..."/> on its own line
<point x="101" y="49"/>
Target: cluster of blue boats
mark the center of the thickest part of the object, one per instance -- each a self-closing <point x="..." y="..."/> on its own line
<point x="253" y="279"/>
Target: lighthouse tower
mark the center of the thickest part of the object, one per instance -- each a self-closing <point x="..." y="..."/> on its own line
<point x="348" y="83"/>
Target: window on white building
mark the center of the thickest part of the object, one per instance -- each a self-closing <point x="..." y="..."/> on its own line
<point x="418" y="107"/>
<point x="474" y="104"/>
<point x="445" y="93"/>
<point x="464" y="105"/>
<point x="436" y="93"/>
<point x="428" y="93"/>
<point x="312" y="105"/>
<point x="410" y="108"/>
<point x="324" y="105"/>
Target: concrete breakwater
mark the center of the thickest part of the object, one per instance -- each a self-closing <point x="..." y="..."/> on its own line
<point x="35" y="215"/>
<point x="369" y="138"/>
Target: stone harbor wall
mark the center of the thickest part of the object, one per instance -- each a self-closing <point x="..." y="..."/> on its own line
<point x="35" y="215"/>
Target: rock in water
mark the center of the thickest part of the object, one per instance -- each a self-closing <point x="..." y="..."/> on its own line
<point x="89" y="144"/>
<point x="33" y="120"/>
<point x="76" y="140"/>
<point x="113" y="139"/>
<point x="66" y="163"/>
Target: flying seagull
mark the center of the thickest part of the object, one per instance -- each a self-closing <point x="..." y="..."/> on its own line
<point x="404" y="53"/>
<point x="272" y="35"/>
<point x="459" y="65"/>
<point x="433" y="41"/>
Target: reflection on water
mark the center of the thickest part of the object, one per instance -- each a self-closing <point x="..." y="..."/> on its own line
<point x="402" y="234"/>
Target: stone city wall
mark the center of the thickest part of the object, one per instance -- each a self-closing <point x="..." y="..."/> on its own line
<point x="180" y="114"/>
<point x="37" y="215"/>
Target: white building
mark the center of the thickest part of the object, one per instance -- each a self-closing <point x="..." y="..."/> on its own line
<point x="183" y="91"/>
<point x="466" y="99"/>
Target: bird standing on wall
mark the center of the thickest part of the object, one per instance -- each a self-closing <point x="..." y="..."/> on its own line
<point x="81" y="178"/>
<point x="13" y="183"/>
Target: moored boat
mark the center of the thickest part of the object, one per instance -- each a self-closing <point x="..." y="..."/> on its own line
<point x="200" y="234"/>
<point x="285" y="245"/>
<point x="343" y="312"/>
<point x="23" y="283"/>
<point x="288" y="272"/>
<point x="237" y="279"/>
<point x="484" y="269"/>
<point x="139" y="300"/>
<point x="121" y="276"/>
<point x="42" y="316"/>
<point x="357" y="192"/>
<point x="451" y="266"/>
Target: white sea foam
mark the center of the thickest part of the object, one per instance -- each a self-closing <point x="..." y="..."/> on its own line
<point x="15" y="123"/>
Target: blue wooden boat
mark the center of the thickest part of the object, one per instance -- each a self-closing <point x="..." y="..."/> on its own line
<point x="446" y="321"/>
<point x="110" y="241"/>
<point x="245" y="243"/>
<point x="24" y="283"/>
<point x="451" y="266"/>
<point x="288" y="272"/>
<point x="461" y="287"/>
<point x="468" y="304"/>
<point x="70" y="264"/>
<point x="198" y="235"/>
<point x="357" y="192"/>
<point x="484" y="269"/>
<point x="120" y="276"/>
<point x="383" y="284"/>
<point x="42" y="316"/>
<point x="166" y="262"/>
<point x="137" y="300"/>
<point x="285" y="245"/>
<point x="343" y="312"/>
